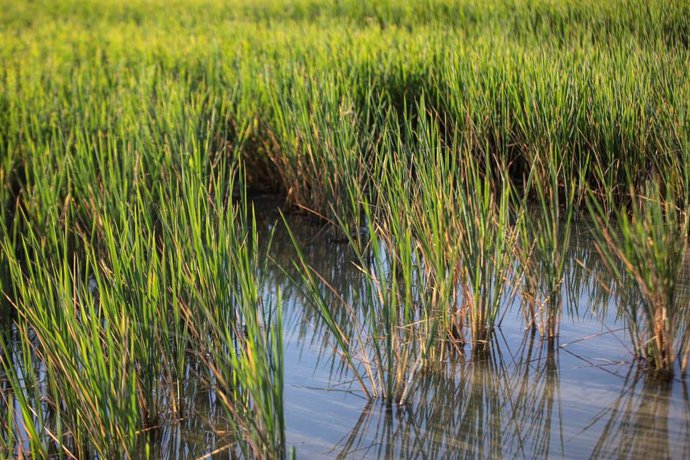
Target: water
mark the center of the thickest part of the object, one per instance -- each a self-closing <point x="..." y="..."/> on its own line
<point x="580" y="397"/>
<point x="577" y="400"/>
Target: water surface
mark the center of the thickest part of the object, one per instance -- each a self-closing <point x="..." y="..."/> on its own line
<point x="579" y="397"/>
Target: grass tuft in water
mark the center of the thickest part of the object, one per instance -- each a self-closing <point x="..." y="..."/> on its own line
<point x="644" y="246"/>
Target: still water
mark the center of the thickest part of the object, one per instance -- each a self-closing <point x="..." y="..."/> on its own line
<point x="580" y="397"/>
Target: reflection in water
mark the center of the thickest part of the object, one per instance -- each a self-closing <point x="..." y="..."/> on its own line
<point x="534" y="387"/>
<point x="522" y="399"/>
<point x="642" y="422"/>
<point x="514" y="408"/>
<point x="488" y="408"/>
<point x="202" y="427"/>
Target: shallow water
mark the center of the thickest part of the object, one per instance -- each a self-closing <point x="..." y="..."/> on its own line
<point x="578" y="398"/>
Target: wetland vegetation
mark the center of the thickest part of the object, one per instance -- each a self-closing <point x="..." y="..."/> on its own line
<point x="482" y="203"/>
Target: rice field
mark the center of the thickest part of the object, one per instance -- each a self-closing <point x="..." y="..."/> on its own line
<point x="467" y="170"/>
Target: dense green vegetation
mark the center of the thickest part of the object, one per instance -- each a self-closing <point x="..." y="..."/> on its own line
<point x="463" y="136"/>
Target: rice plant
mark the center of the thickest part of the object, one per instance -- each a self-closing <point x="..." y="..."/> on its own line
<point x="236" y="331"/>
<point x="145" y="298"/>
<point x="322" y="144"/>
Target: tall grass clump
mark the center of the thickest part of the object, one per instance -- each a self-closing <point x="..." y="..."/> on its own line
<point x="426" y="177"/>
<point x="644" y="245"/>
<point x="459" y="203"/>
<point x="322" y="141"/>
<point x="92" y="397"/>
<point x="114" y="326"/>
<point x="382" y="333"/>
<point x="437" y="260"/>
<point x="390" y="329"/>
<point x="236" y="330"/>
<point x="549" y="201"/>
<point x="487" y="244"/>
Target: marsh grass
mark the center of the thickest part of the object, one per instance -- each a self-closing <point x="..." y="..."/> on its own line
<point x="160" y="292"/>
<point x="545" y="234"/>
<point x="649" y="239"/>
<point x="23" y="434"/>
<point x="408" y="126"/>
<point x="384" y="337"/>
<point x="393" y="328"/>
<point x="437" y="260"/>
<point x="236" y="331"/>
<point x="457" y="205"/>
<point x="488" y="245"/>
<point x="322" y="143"/>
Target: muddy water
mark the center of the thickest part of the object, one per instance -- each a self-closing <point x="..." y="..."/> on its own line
<point x="578" y="398"/>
